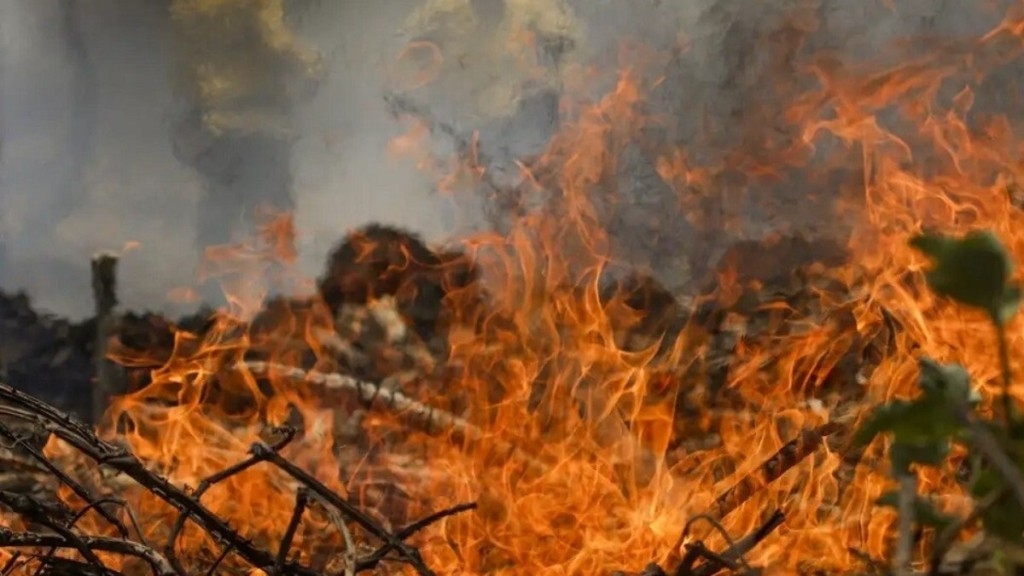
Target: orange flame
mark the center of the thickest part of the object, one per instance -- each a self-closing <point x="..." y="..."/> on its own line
<point x="578" y="466"/>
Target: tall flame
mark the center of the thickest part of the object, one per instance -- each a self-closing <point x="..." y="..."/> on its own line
<point x="578" y="466"/>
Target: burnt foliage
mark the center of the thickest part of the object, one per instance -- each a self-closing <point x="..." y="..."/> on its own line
<point x="380" y="260"/>
<point x="50" y="356"/>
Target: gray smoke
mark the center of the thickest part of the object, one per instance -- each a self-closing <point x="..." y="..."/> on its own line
<point x="86" y="162"/>
<point x="86" y="145"/>
<point x="87" y="121"/>
<point x="345" y="176"/>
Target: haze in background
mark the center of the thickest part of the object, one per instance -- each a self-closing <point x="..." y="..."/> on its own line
<point x="87" y="163"/>
<point x="86" y="158"/>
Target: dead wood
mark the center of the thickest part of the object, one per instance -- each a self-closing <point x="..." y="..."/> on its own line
<point x="60" y="519"/>
<point x="104" y="289"/>
<point x="701" y="561"/>
<point x="378" y="341"/>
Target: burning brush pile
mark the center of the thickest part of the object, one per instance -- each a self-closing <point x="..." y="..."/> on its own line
<point x="532" y="400"/>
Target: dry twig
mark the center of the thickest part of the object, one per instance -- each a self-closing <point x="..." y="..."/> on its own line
<point x="46" y="418"/>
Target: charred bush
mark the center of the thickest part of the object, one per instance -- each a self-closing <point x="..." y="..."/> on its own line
<point x="642" y="310"/>
<point x="379" y="260"/>
<point x="149" y="338"/>
<point x="48" y="357"/>
<point x="774" y="263"/>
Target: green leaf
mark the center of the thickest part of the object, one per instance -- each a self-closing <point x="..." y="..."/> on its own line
<point x="1005" y="518"/>
<point x="973" y="270"/>
<point x="930" y="453"/>
<point x="947" y="383"/>
<point x="918" y="423"/>
<point x="883" y="419"/>
<point x="923" y="428"/>
<point x="925" y="512"/>
<point x="1010" y="304"/>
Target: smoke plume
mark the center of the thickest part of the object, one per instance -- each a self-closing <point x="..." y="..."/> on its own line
<point x="91" y="119"/>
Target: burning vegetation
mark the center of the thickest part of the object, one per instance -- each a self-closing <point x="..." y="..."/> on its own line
<point x="538" y="398"/>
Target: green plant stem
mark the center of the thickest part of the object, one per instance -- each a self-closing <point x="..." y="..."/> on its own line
<point x="947" y="536"/>
<point x="989" y="447"/>
<point x="905" y="542"/>
<point x="1004" y="364"/>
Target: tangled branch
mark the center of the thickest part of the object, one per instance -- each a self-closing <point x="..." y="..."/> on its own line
<point x="60" y="519"/>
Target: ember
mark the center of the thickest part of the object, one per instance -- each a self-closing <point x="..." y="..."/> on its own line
<point x="554" y="395"/>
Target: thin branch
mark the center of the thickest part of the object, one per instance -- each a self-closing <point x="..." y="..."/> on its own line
<point x="697" y="548"/>
<point x="11" y="564"/>
<point x="783" y="460"/>
<point x="716" y="562"/>
<point x="85" y="441"/>
<point x="301" y="502"/>
<point x="747" y="543"/>
<point x="97" y="504"/>
<point x="81" y="438"/>
<point x="75" y="486"/>
<point x="346" y="534"/>
<point x="220" y="558"/>
<point x="425" y="417"/>
<point x="378" y="555"/>
<point x="159" y="564"/>
<point x="36" y="512"/>
<point x="426" y="521"/>
<point x="411" y="555"/>
<point x="288" y="434"/>
<point x="430" y="419"/>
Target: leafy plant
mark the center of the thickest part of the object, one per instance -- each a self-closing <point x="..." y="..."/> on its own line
<point x="974" y="270"/>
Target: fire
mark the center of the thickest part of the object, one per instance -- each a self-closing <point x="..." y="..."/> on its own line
<point x="577" y="459"/>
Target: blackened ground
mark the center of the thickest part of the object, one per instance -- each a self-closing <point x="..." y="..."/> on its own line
<point x="51" y="358"/>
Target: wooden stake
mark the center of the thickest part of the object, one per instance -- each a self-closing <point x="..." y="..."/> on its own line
<point x="104" y="291"/>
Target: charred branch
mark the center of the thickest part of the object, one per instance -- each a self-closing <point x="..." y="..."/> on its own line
<point x="784" y="459"/>
<point x="730" y="559"/>
<point x="91" y="544"/>
<point x="59" y="519"/>
<point x="735" y="552"/>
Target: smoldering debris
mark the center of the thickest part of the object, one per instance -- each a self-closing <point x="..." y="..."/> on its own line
<point x="362" y="360"/>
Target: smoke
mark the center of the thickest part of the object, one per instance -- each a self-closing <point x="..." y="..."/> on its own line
<point x="344" y="175"/>
<point x="87" y="158"/>
<point x="87" y="126"/>
<point x="86" y="161"/>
